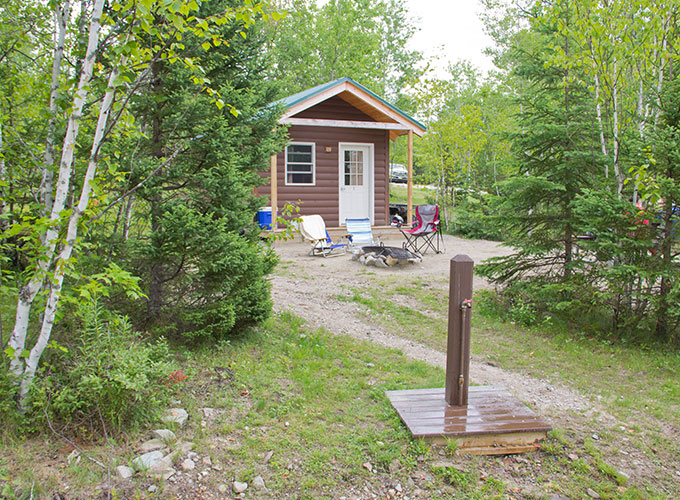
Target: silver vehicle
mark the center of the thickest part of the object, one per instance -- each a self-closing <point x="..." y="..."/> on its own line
<point x="398" y="173"/>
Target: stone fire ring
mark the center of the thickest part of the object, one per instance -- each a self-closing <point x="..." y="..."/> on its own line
<point x="381" y="256"/>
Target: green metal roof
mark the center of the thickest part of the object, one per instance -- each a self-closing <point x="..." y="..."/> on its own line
<point x="295" y="99"/>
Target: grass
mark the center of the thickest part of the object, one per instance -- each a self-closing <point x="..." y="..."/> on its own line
<point x="421" y="196"/>
<point x="636" y="384"/>
<point x="318" y="402"/>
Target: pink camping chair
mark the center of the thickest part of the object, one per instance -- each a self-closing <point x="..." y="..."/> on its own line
<point x="426" y="233"/>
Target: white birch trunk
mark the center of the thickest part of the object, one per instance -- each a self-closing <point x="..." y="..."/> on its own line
<point x="659" y="83"/>
<point x="616" y="146"/>
<point x="47" y="184"/>
<point x="598" y="111"/>
<point x="71" y="236"/>
<point x="29" y="291"/>
<point x="3" y="174"/>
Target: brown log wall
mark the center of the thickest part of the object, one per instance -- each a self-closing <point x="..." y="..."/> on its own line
<point x="323" y="198"/>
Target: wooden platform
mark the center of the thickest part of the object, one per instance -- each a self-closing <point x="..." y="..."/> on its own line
<point x="493" y="423"/>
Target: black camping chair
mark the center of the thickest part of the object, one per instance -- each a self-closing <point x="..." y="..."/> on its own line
<point x="427" y="232"/>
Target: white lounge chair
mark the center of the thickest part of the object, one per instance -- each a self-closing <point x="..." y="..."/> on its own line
<point x="313" y="228"/>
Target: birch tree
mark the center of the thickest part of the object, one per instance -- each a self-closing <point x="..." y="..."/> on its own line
<point x="94" y="95"/>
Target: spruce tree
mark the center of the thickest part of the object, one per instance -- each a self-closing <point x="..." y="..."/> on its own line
<point x="193" y="240"/>
<point x="556" y="156"/>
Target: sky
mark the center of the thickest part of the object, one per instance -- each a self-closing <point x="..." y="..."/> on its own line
<point x="451" y="30"/>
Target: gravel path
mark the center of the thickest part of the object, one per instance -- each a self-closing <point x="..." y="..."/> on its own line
<point x="309" y="286"/>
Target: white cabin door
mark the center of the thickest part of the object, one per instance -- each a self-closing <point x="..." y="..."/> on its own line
<point x="356" y="181"/>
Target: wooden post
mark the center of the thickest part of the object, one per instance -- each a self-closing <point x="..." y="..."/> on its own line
<point x="273" y="194"/>
<point x="409" y="188"/>
<point x="458" y="344"/>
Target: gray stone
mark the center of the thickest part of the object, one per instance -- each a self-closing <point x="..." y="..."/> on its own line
<point x="395" y="465"/>
<point x="268" y="456"/>
<point x="592" y="493"/>
<point x="152" y="488"/>
<point x="222" y="488"/>
<point x="165" y="435"/>
<point x="207" y="461"/>
<point x="74" y="457"/>
<point x="188" y="465"/>
<point x="152" y="445"/>
<point x="124" y="472"/>
<point x="177" y="415"/>
<point x="147" y="460"/>
<point x="208" y="412"/>
<point x="239" y="487"/>
<point x="186" y="446"/>
<point x="258" y="483"/>
<point x="162" y="469"/>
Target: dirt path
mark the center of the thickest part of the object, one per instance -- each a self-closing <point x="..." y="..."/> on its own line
<point x="309" y="286"/>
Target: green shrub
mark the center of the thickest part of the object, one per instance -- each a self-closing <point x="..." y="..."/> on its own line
<point x="106" y="376"/>
<point x="473" y="217"/>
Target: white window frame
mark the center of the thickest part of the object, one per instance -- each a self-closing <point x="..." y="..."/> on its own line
<point x="313" y="183"/>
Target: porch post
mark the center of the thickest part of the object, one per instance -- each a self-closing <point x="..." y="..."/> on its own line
<point x="273" y="194"/>
<point x="409" y="189"/>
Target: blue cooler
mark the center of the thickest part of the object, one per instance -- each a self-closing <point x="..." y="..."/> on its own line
<point x="264" y="217"/>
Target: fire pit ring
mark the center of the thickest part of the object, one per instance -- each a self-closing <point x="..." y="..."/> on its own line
<point x="382" y="256"/>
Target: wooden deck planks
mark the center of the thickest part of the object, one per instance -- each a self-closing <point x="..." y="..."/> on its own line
<point x="493" y="422"/>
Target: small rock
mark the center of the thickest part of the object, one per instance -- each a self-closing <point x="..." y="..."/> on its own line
<point x="162" y="469"/>
<point x="152" y="445"/>
<point x="395" y="465"/>
<point x="188" y="465"/>
<point x="391" y="261"/>
<point x="258" y="483"/>
<point x="370" y="365"/>
<point x="186" y="446"/>
<point x="596" y="437"/>
<point x="624" y="475"/>
<point x="124" y="472"/>
<point x="239" y="487"/>
<point x="74" y="457"/>
<point x="572" y="456"/>
<point x="165" y="435"/>
<point x="208" y="412"/>
<point x="367" y="466"/>
<point x="398" y="487"/>
<point x="380" y="263"/>
<point x="147" y="460"/>
<point x="592" y="493"/>
<point x="217" y="467"/>
<point x="207" y="461"/>
<point x="222" y="488"/>
<point x="177" y="415"/>
<point x="152" y="488"/>
<point x="268" y="456"/>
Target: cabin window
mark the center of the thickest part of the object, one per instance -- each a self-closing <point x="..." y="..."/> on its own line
<point x="300" y="164"/>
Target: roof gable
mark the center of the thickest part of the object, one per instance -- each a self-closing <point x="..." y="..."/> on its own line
<point x="356" y="95"/>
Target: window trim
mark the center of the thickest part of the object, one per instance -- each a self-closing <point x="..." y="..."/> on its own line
<point x="285" y="173"/>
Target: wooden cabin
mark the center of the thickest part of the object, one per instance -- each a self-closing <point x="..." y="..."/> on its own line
<point x="337" y="161"/>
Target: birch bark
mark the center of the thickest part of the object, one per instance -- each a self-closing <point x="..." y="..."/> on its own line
<point x="71" y="235"/>
<point x="29" y="291"/>
<point x="47" y="184"/>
